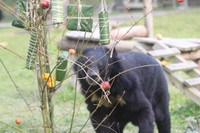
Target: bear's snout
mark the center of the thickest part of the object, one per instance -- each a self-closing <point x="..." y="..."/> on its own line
<point x="93" y="76"/>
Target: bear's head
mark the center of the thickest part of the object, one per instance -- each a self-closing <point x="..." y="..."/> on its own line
<point x="96" y="64"/>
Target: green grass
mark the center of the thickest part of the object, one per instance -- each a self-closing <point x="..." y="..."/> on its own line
<point x="178" y="25"/>
<point x="181" y="24"/>
<point x="12" y="106"/>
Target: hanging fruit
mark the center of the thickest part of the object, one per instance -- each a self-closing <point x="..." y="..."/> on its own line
<point x="72" y="52"/>
<point x="49" y="79"/>
<point x="180" y="0"/>
<point x="18" y="121"/>
<point x="44" y="4"/>
<point x="105" y="85"/>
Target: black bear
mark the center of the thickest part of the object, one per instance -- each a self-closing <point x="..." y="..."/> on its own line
<point x="138" y="93"/>
<point x="1" y="15"/>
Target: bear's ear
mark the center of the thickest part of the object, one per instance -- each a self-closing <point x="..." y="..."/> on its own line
<point x="113" y="52"/>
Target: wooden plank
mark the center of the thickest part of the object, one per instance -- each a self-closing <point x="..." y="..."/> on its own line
<point x="181" y="66"/>
<point x="159" y="45"/>
<point x="181" y="45"/>
<point x="192" y="82"/>
<point x="193" y="40"/>
<point x="164" y="52"/>
<point x="131" y="5"/>
<point x="139" y="48"/>
<point x="193" y="73"/>
<point x="192" y="93"/>
<point x="181" y="59"/>
<point x="145" y="40"/>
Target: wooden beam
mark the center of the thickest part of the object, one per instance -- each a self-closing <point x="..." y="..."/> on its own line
<point x="149" y="17"/>
<point x="164" y="52"/>
<point x="192" y="82"/>
<point x="67" y="43"/>
<point x="181" y="66"/>
<point x="192" y="93"/>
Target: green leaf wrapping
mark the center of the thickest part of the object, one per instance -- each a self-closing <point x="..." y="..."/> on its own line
<point x="62" y="65"/>
<point x="21" y="13"/>
<point x="84" y="17"/>
<point x="57" y="11"/>
<point x="104" y="28"/>
<point x="32" y="51"/>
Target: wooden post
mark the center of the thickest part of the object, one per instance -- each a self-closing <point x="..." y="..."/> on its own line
<point x="149" y="17"/>
<point x="174" y="4"/>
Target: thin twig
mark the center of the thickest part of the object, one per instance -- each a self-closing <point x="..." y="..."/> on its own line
<point x="110" y="111"/>
<point x="13" y="127"/>
<point x="3" y="46"/>
<point x="18" y="89"/>
<point x="150" y="65"/>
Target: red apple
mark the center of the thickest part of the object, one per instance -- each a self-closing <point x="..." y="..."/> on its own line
<point x="105" y="85"/>
<point x="180" y="0"/>
<point x="72" y="52"/>
<point x="44" y="4"/>
<point x="18" y="121"/>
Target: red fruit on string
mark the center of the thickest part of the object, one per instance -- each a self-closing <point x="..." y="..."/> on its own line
<point x="105" y="85"/>
<point x="18" y="121"/>
<point x="180" y="0"/>
<point x="72" y="52"/>
<point x="44" y="4"/>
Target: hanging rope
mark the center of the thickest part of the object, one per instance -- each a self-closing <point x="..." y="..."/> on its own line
<point x="79" y="15"/>
<point x="104" y="24"/>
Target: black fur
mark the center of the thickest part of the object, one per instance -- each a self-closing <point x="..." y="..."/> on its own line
<point x="143" y="90"/>
<point x="1" y="15"/>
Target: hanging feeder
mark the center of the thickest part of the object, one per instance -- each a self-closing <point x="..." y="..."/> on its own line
<point x="80" y="17"/>
<point x="62" y="65"/>
<point x="104" y="25"/>
<point x="32" y="51"/>
<point x="57" y="11"/>
<point x="21" y="13"/>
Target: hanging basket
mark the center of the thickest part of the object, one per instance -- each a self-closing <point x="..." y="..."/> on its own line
<point x="57" y="11"/>
<point x="62" y="66"/>
<point x="80" y="17"/>
<point x="21" y="12"/>
<point x="32" y="51"/>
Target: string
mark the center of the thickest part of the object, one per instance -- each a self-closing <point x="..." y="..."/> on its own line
<point x="79" y="13"/>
